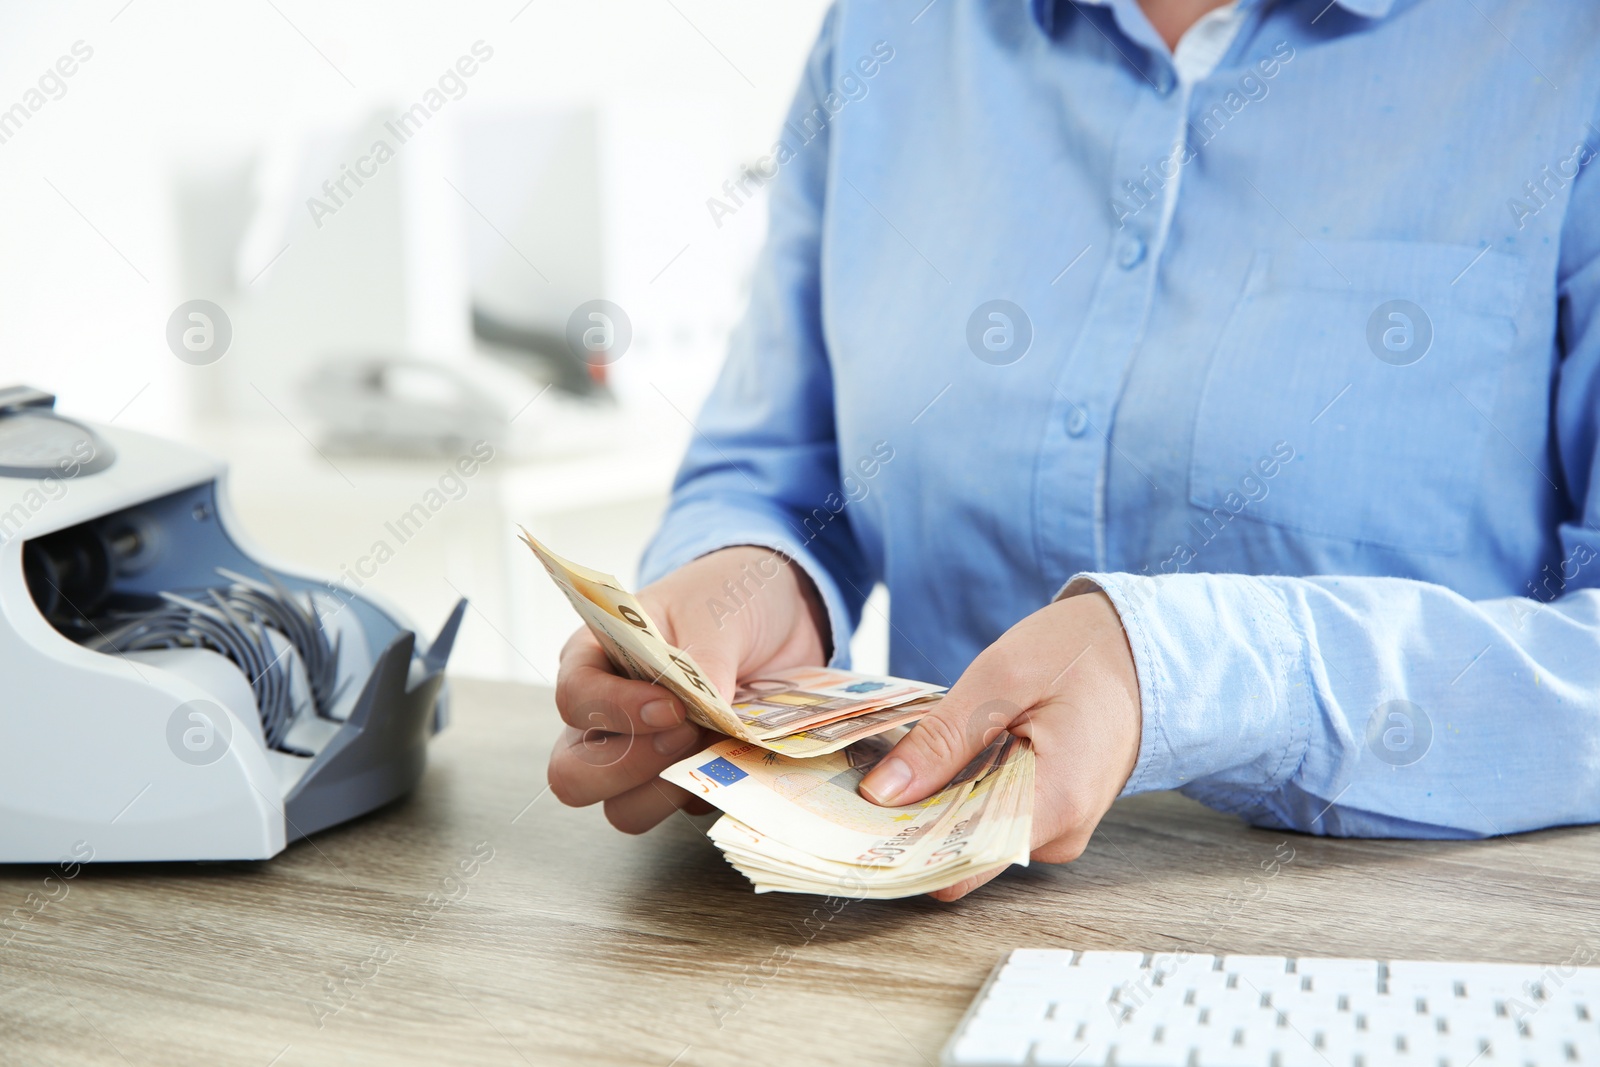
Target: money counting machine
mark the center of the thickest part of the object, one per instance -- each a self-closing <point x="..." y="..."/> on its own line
<point x="168" y="694"/>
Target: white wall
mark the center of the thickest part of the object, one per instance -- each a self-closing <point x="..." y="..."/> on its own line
<point x="174" y="85"/>
<point x="90" y="265"/>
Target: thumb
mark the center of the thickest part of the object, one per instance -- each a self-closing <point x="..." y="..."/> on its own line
<point x="716" y="651"/>
<point x="718" y="662"/>
<point x="937" y="749"/>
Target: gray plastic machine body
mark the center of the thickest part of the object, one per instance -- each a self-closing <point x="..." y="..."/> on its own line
<point x="95" y="760"/>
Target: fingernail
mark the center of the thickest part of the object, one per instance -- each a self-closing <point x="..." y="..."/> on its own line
<point x="676" y="739"/>
<point x="660" y="714"/>
<point x="887" y="781"/>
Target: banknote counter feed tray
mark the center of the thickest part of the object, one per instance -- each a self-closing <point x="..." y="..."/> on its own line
<point x="171" y="695"/>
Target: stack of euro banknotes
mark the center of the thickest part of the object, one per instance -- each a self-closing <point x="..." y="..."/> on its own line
<point x="798" y="742"/>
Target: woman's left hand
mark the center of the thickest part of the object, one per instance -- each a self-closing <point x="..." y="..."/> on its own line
<point x="1064" y="678"/>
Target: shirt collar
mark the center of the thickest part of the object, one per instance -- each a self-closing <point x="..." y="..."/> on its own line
<point x="1044" y="11"/>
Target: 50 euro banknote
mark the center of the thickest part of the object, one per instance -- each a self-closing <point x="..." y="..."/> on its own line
<point x="801" y="825"/>
<point x="802" y="712"/>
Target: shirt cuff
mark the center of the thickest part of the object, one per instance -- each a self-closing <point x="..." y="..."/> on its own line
<point x="1224" y="683"/>
<point x="696" y="529"/>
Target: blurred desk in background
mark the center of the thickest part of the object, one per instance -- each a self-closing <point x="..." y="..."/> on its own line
<point x="339" y="515"/>
<point x="480" y="922"/>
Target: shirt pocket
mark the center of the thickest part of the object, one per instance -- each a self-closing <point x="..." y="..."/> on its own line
<point x="1378" y="363"/>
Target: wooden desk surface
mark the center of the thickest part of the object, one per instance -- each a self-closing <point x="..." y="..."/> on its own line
<point x="566" y="942"/>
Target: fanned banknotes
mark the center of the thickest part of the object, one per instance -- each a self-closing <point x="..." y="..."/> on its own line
<point x="799" y="711"/>
<point x="801" y="826"/>
<point x="799" y="742"/>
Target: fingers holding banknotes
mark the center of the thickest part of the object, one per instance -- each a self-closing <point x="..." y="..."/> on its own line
<point x="622" y="732"/>
<point x="1064" y="678"/>
<point x="648" y="691"/>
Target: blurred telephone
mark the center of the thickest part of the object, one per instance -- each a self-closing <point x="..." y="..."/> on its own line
<point x="387" y="405"/>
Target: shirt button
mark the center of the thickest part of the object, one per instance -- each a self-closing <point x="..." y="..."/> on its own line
<point x="1077" y="421"/>
<point x="1131" y="254"/>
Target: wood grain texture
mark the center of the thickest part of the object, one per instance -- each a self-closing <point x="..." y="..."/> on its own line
<point x="577" y="944"/>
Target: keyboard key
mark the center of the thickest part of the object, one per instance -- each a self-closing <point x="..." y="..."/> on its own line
<point x="1505" y="1038"/>
<point x="1118" y="964"/>
<point x="1257" y="1044"/>
<point x="1167" y="1002"/>
<point x="1240" y="1011"/>
<point x="1208" y="986"/>
<point x="1264" y="972"/>
<point x="987" y="1045"/>
<point x="1387" y="1009"/>
<point x="1034" y="976"/>
<point x="1424" y="973"/>
<point x="1304" y="1003"/>
<point x="1168" y="964"/>
<point x="1059" y="1052"/>
<point x="1303" y="1054"/>
<point x="1488" y="981"/>
<point x="1459" y="1050"/>
<point x="1052" y="959"/>
<point x="1578" y="983"/>
<point x="1350" y="976"/>
<point x="1343" y="1049"/>
<point x="1219" y="1050"/>
<point x="1144" y="1051"/>
<point x="1327" y="1023"/>
<point x="1015" y="1007"/>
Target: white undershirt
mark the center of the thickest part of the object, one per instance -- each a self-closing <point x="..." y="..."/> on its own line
<point x="1199" y="50"/>
<point x="1203" y="45"/>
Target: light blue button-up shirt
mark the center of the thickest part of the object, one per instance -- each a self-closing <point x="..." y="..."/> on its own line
<point x="1297" y="360"/>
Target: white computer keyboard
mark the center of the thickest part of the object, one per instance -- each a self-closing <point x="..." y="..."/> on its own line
<point x="1131" y="1009"/>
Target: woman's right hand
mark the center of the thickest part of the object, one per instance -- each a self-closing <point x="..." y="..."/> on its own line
<point x="738" y="612"/>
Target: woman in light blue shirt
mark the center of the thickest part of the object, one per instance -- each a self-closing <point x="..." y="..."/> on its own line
<point x="1215" y="388"/>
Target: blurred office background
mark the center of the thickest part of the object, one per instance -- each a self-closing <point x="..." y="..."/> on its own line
<point x="389" y="307"/>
